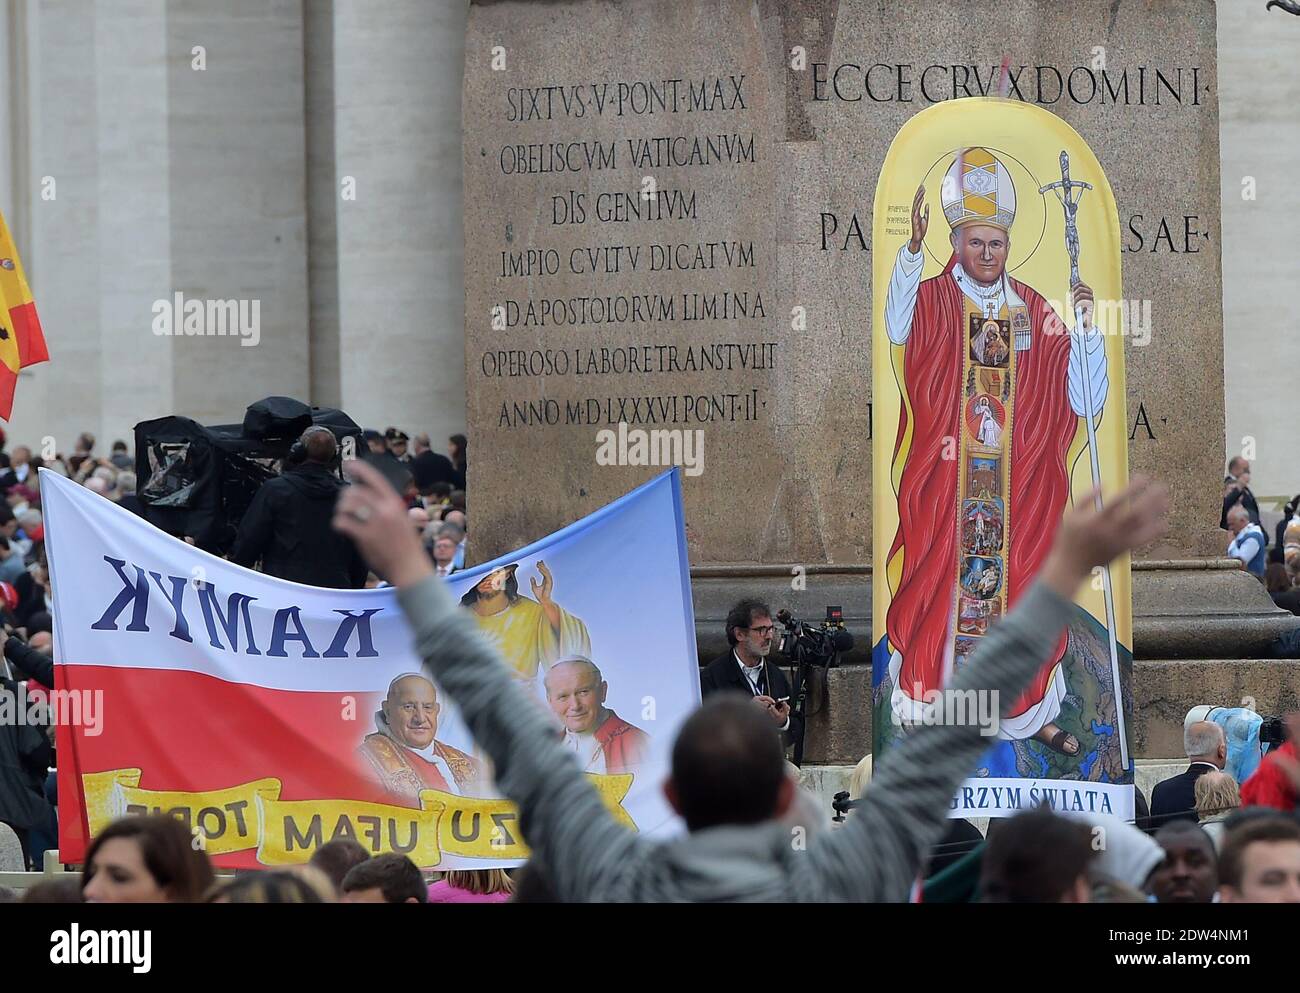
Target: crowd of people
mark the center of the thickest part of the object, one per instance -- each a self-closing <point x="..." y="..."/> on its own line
<point x="152" y="859"/>
<point x="1276" y="562"/>
<point x="1203" y="839"/>
<point x="433" y="486"/>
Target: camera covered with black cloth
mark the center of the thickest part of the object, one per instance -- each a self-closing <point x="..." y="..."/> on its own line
<point x="198" y="480"/>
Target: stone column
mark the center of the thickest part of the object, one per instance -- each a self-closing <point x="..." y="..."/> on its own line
<point x="400" y="256"/>
<point x="237" y="190"/>
<point x="165" y="178"/>
<point x="124" y="373"/>
<point x="99" y="246"/>
<point x="322" y="203"/>
<point x="1258" y="98"/>
<point x="47" y="232"/>
<point x="16" y="126"/>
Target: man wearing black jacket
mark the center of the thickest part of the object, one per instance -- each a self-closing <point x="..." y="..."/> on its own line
<point x="746" y="668"/>
<point x="287" y="525"/>
<point x="25" y="750"/>
<point x="1174" y="799"/>
<point x="1236" y="490"/>
<point x="431" y="467"/>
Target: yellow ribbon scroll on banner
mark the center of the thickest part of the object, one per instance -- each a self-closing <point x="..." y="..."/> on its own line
<point x="287" y="832"/>
<point x="225" y="819"/>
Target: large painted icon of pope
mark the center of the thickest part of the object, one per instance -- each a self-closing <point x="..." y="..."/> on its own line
<point x="970" y="325"/>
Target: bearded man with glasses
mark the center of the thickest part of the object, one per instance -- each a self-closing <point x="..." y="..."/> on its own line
<point x="746" y="669"/>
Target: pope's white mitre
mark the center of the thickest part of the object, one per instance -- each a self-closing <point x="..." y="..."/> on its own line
<point x="977" y="189"/>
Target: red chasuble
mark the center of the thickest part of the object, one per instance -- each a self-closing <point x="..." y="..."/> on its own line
<point x="919" y="618"/>
<point x="624" y="744"/>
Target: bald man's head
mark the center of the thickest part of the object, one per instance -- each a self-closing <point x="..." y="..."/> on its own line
<point x="411" y="709"/>
<point x="320" y="444"/>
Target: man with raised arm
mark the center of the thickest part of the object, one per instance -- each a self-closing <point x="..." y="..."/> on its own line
<point x="728" y="776"/>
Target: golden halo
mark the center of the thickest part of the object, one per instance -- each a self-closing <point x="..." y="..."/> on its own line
<point x="1031" y="206"/>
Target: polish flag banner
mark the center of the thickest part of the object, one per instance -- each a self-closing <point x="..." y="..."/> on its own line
<point x="272" y="717"/>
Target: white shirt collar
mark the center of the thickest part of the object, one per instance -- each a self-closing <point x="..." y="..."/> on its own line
<point x="750" y="672"/>
<point x="1006" y="292"/>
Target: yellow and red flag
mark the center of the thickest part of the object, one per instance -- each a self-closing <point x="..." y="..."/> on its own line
<point x="22" y="343"/>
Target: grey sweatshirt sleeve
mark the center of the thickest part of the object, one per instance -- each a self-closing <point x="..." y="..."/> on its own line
<point x="877" y="855"/>
<point x="575" y="840"/>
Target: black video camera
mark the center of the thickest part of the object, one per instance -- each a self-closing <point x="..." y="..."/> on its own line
<point x="1273" y="731"/>
<point x="820" y="645"/>
<point x="842" y="804"/>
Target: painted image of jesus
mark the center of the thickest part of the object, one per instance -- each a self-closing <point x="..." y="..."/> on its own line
<point x="981" y="577"/>
<point x="933" y="320"/>
<point x="988" y="430"/>
<point x="530" y="633"/>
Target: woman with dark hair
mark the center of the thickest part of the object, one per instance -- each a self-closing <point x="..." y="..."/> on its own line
<point x="281" y="886"/>
<point x="459" y="459"/>
<point x="145" y="860"/>
<point x="1278" y="582"/>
